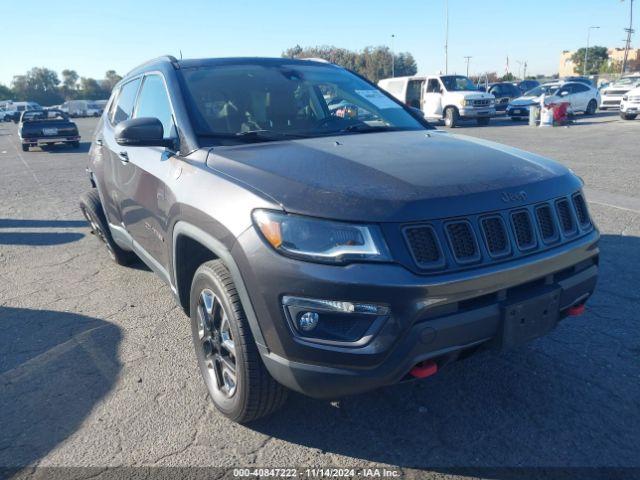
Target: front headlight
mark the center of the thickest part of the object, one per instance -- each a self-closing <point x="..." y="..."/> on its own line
<point x="320" y="240"/>
<point x="625" y="98"/>
<point x="467" y="103"/>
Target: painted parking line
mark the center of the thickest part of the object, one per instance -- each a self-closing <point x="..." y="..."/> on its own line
<point x="615" y="200"/>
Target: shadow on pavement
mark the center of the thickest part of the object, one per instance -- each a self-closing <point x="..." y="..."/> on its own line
<point x="39" y="239"/>
<point x="569" y="399"/>
<point x="55" y="368"/>
<point x="28" y="223"/>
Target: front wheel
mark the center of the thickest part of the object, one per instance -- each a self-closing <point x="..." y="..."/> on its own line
<point x="483" y="121"/>
<point x="237" y="380"/>
<point x="591" y="107"/>
<point x="25" y="148"/>
<point x="628" y="116"/>
<point x="451" y="117"/>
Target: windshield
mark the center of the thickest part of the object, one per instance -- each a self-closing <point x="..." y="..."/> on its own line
<point x="457" y="83"/>
<point x="253" y="102"/>
<point x="628" y="81"/>
<point x="539" y="90"/>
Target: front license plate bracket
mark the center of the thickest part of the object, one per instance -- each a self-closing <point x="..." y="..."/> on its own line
<point x="531" y="318"/>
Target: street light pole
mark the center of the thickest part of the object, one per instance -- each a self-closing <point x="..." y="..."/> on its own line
<point x="446" y="37"/>
<point x="393" y="56"/>
<point x="467" y="58"/>
<point x="586" y="52"/>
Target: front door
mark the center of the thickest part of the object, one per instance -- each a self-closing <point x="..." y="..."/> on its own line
<point x="433" y="99"/>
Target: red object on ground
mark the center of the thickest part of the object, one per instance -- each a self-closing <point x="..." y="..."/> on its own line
<point x="576" y="310"/>
<point x="424" y="369"/>
<point x="560" y="112"/>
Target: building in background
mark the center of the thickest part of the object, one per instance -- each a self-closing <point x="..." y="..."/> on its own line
<point x="567" y="68"/>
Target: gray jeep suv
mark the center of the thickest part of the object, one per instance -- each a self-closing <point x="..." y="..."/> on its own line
<point x="321" y="236"/>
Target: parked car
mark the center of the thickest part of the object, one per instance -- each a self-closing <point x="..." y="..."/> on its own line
<point x="504" y="92"/>
<point x="75" y="108"/>
<point x="93" y="109"/>
<point x="47" y="127"/>
<point x="15" y="109"/>
<point x="630" y="104"/>
<point x="319" y="252"/>
<point x="526" y="85"/>
<point x="443" y="97"/>
<point x="612" y="95"/>
<point x="579" y="79"/>
<point x="581" y="98"/>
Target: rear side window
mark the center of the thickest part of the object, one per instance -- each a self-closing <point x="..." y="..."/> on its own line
<point x="124" y="105"/>
<point x="433" y="86"/>
<point x="153" y="102"/>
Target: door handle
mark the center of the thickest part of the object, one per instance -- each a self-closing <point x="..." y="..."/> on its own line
<point x="99" y="142"/>
<point x="124" y="157"/>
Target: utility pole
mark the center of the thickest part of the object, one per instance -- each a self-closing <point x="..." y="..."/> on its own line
<point x="519" y="68"/>
<point x="393" y="56"/>
<point x="446" y="37"/>
<point x="467" y="58"/>
<point x="524" y="74"/>
<point x="586" y="52"/>
<point x="629" y="32"/>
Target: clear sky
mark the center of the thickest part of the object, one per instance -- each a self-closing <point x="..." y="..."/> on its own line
<point x="94" y="36"/>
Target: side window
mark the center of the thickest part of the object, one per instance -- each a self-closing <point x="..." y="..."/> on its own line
<point x="579" y="88"/>
<point x="112" y="105"/>
<point x="124" y="105"/>
<point x="433" y="86"/>
<point x="153" y="102"/>
<point x="414" y="93"/>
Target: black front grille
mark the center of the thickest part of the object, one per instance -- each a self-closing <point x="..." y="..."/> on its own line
<point x="566" y="219"/>
<point x="546" y="223"/>
<point x="423" y="244"/>
<point x="523" y="229"/>
<point x="462" y="240"/>
<point x="581" y="209"/>
<point x="488" y="238"/>
<point x="495" y="236"/>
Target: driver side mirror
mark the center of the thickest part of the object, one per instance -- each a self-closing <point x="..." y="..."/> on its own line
<point x="564" y="93"/>
<point x="142" y="132"/>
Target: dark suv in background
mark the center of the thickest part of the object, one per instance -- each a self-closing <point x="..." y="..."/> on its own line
<point x="323" y="237"/>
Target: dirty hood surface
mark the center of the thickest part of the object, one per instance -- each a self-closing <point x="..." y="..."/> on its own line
<point x="393" y="176"/>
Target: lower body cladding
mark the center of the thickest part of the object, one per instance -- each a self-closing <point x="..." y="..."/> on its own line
<point x="331" y="331"/>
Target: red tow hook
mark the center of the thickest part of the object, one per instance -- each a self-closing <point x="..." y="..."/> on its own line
<point x="424" y="369"/>
<point x="576" y="310"/>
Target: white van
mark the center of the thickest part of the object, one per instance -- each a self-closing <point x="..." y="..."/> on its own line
<point x="443" y="97"/>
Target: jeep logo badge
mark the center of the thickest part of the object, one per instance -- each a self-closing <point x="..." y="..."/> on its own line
<point x="508" y="197"/>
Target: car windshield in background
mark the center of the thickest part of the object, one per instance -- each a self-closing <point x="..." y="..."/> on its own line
<point x="253" y="102"/>
<point x="546" y="89"/>
<point x="40" y="115"/>
<point x="628" y="81"/>
<point x="457" y="83"/>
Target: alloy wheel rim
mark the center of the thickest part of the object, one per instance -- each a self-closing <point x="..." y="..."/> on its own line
<point x="217" y="344"/>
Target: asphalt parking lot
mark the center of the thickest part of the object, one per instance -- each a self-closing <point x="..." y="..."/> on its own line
<point x="97" y="367"/>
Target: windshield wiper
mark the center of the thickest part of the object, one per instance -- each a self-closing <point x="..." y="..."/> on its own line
<point x="259" y="135"/>
<point x="365" y="128"/>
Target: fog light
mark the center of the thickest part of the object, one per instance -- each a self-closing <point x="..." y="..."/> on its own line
<point x="308" y="321"/>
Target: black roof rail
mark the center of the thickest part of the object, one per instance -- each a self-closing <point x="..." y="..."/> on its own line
<point x="168" y="58"/>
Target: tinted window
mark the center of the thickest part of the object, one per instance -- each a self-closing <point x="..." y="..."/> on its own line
<point x="153" y="102"/>
<point x="433" y="86"/>
<point x="124" y="105"/>
<point x="578" y="87"/>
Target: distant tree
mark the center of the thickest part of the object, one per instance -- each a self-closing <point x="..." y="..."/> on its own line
<point x="611" y="66"/>
<point x="596" y="58"/>
<point x="5" y="93"/>
<point x="90" y="89"/>
<point x="110" y="80"/>
<point x="69" y="79"/>
<point x="509" y="77"/>
<point x="374" y="63"/>
<point x="38" y="85"/>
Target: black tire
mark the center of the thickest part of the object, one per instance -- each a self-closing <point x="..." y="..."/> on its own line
<point x="25" y="148"/>
<point x="92" y="211"/>
<point x="628" y="116"/>
<point x="483" y="121"/>
<point x="247" y="392"/>
<point x="591" y="107"/>
<point x="451" y="117"/>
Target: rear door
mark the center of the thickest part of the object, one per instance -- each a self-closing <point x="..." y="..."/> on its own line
<point x="144" y="204"/>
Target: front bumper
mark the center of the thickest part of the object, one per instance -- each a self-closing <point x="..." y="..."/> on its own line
<point x="610" y="101"/>
<point x="519" y="111"/>
<point x="45" y="140"/>
<point x="477" y="112"/>
<point x="628" y="107"/>
<point x="433" y="317"/>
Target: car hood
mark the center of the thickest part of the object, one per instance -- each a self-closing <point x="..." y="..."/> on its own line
<point x="393" y="176"/>
<point x="471" y="94"/>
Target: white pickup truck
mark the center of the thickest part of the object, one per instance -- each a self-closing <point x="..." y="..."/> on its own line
<point x="630" y="104"/>
<point x="443" y="97"/>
